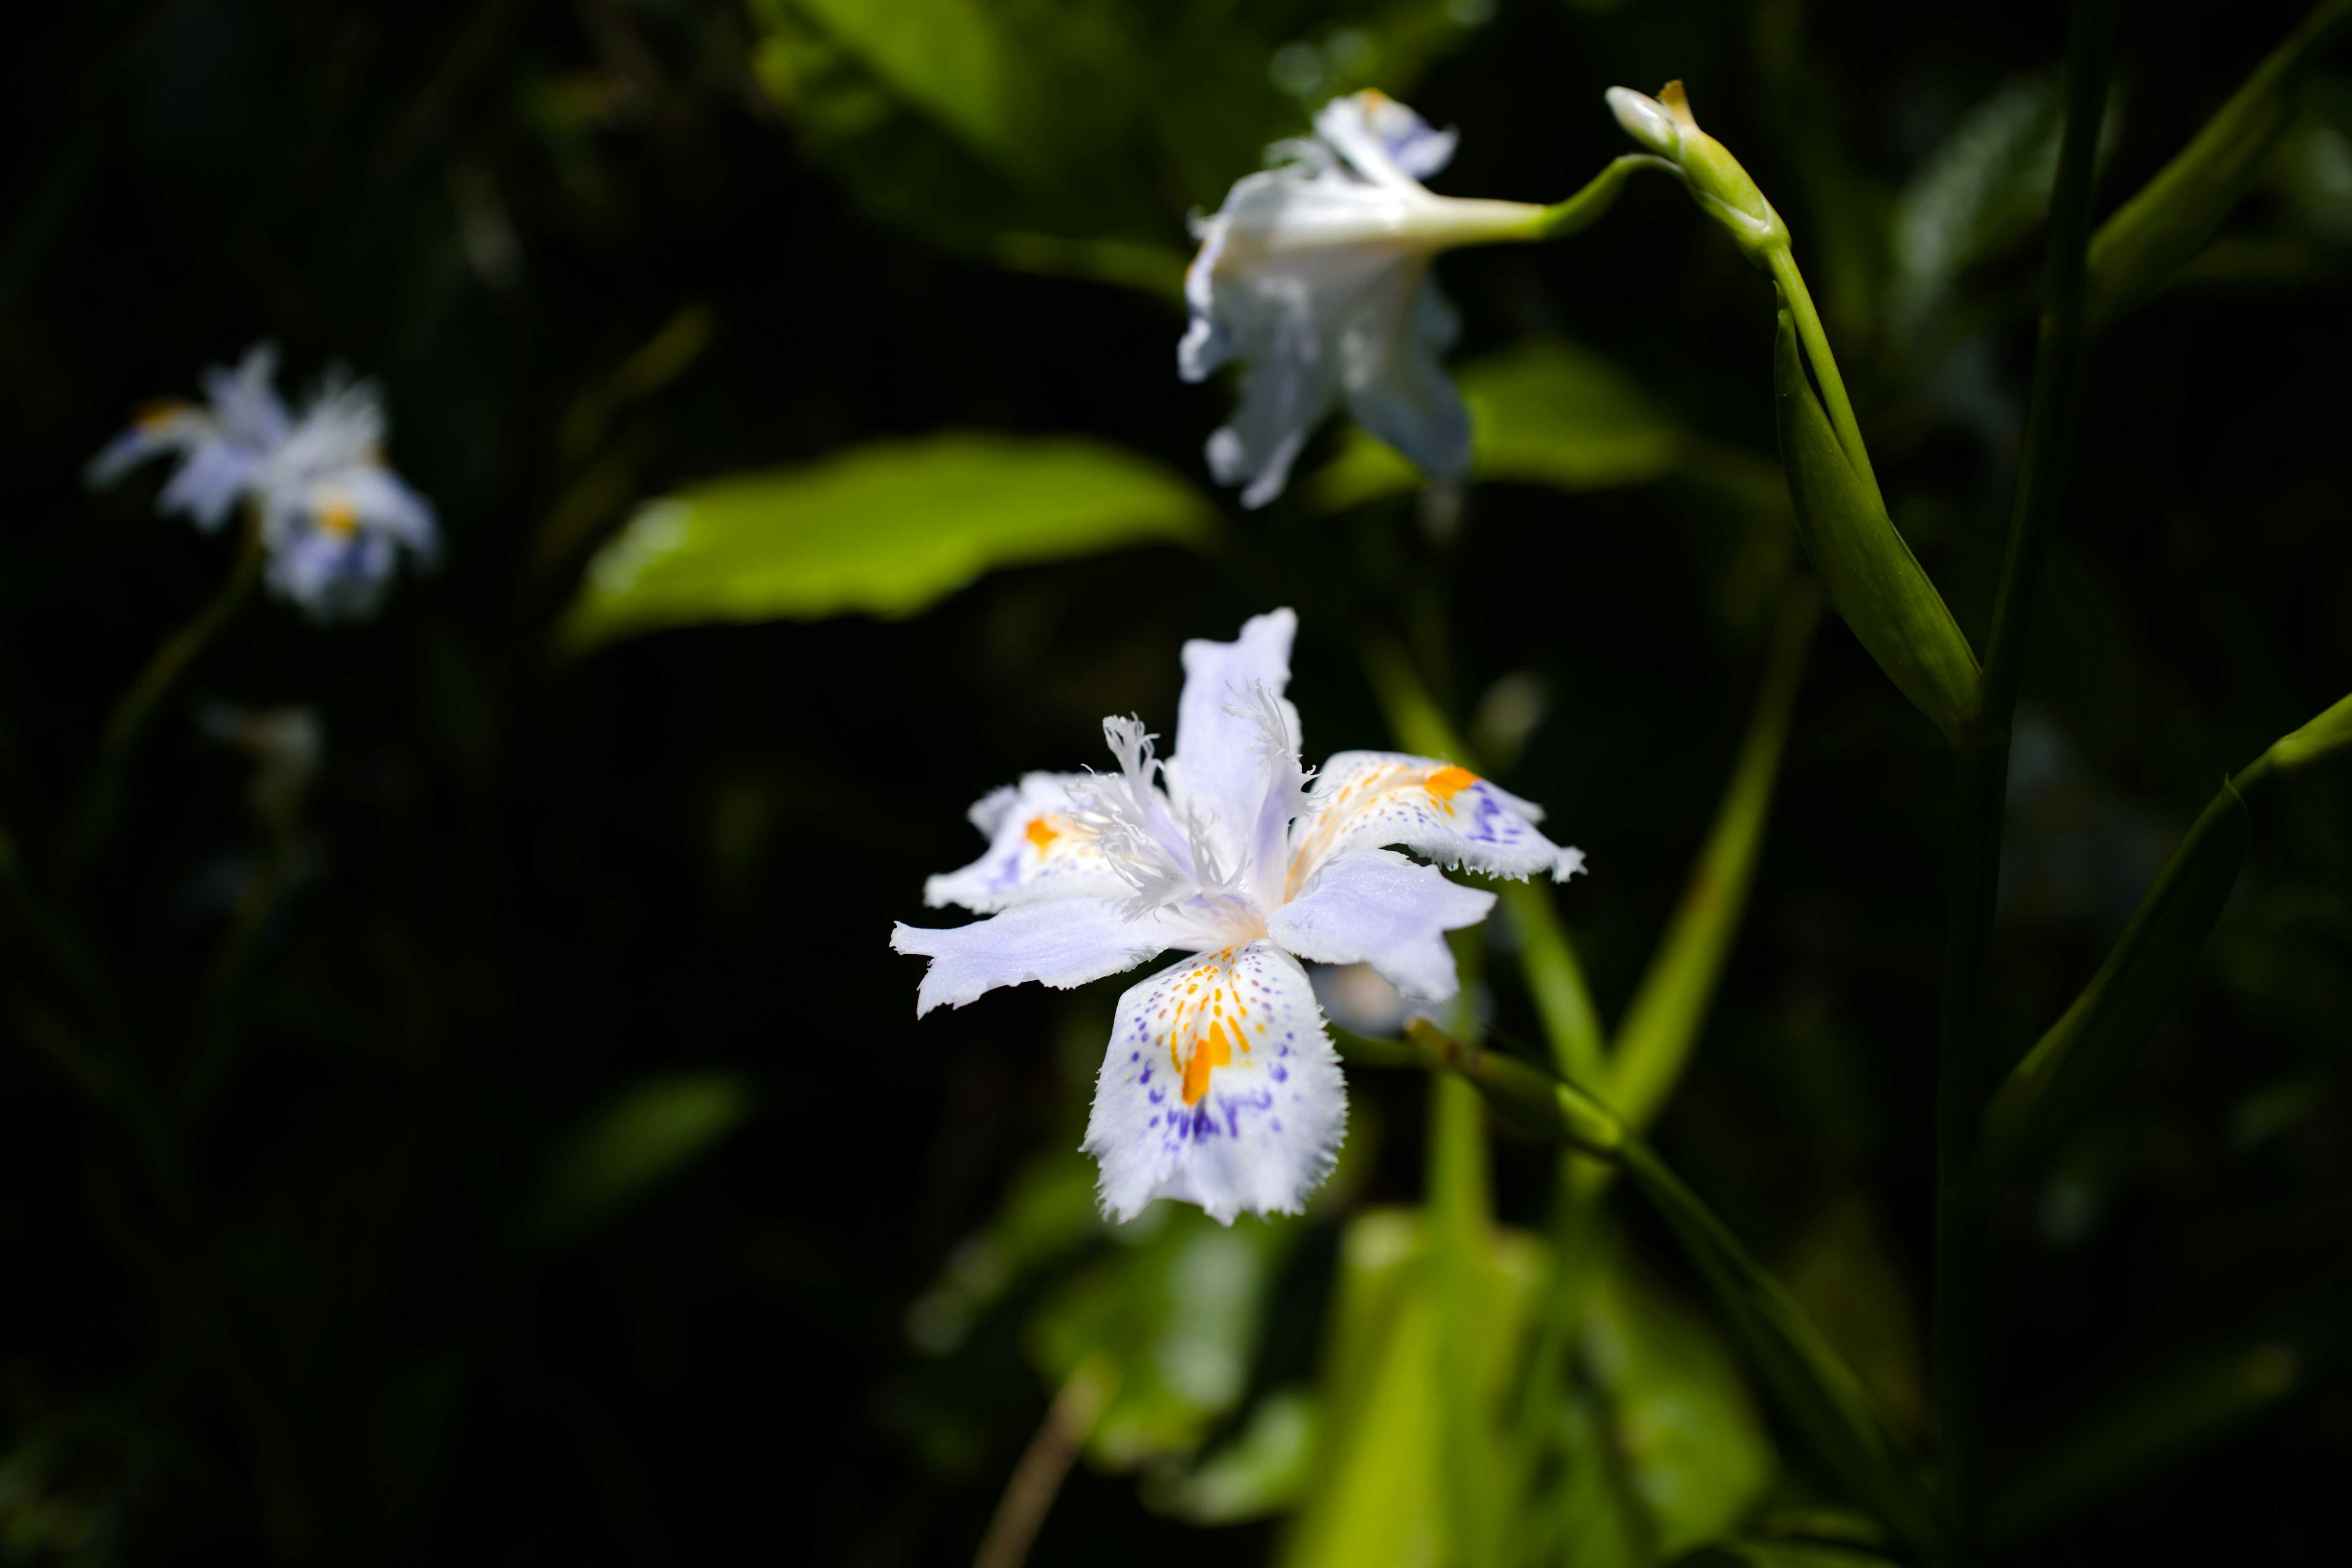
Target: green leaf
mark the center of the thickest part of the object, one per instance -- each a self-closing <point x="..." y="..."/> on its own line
<point x="1841" y="1270"/>
<point x="1174" y="1318"/>
<point x="1262" y="1471"/>
<point x="2155" y="234"/>
<point x="887" y="529"/>
<point x="630" y="1147"/>
<point x="2162" y="1418"/>
<point x="1662" y="1025"/>
<point x="1872" y="576"/>
<point x="1985" y="186"/>
<point x="1812" y="1383"/>
<point x="1681" y="1421"/>
<point x="1376" y="1496"/>
<point x="1780" y="1554"/>
<point x="1544" y="412"/>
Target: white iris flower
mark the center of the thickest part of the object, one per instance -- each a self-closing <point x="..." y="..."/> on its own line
<point x="1221" y="1087"/>
<point x="335" y="520"/>
<point x="1315" y="275"/>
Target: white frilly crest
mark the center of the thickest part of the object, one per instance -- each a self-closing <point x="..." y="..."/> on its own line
<point x="335" y="520"/>
<point x="1315" y="275"/>
<point x="1221" y="1087"/>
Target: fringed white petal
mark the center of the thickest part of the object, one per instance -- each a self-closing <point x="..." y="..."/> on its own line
<point x="1375" y="907"/>
<point x="1220" y="773"/>
<point x="1035" y="850"/>
<point x="1220" y="1088"/>
<point x="1443" y="812"/>
<point x="1060" y="942"/>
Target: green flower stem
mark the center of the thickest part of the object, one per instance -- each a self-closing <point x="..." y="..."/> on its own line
<point x="1461" y="1210"/>
<point x="1584" y="209"/>
<point x="1983" y="767"/>
<point x="1816" y="1388"/>
<point x="1782" y="264"/>
<point x="163" y="672"/>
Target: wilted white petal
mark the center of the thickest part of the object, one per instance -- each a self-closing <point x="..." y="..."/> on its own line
<point x="1220" y="1088"/>
<point x="1375" y="907"/>
<point x="1035" y="850"/>
<point x="1367" y="799"/>
<point x="1060" y="942"/>
<point x="1314" y="275"/>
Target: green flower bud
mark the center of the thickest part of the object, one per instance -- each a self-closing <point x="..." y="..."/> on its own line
<point x="1715" y="181"/>
<point x="1870" y="572"/>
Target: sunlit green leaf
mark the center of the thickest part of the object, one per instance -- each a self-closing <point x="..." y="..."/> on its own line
<point x="1377" y="1497"/>
<point x="630" y="1147"/>
<point x="887" y="529"/>
<point x="1261" y="1471"/>
<point x="1175" y="1318"/>
<point x="1545" y="412"/>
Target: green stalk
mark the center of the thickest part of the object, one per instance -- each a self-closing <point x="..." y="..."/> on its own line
<point x="1583" y="209"/>
<point x="1961" y="1232"/>
<point x="1782" y="264"/>
<point x="171" y="662"/>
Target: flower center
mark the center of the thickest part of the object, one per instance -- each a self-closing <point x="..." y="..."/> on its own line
<point x="337" y="518"/>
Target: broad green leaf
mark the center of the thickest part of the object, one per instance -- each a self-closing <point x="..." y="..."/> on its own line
<point x="887" y="529"/>
<point x="1048" y="1212"/>
<point x="1985" y="186"/>
<point x="1261" y="1471"/>
<point x="1174" y="1317"/>
<point x="2162" y="1419"/>
<point x="1842" y="1270"/>
<point x="1377" y="1497"/>
<point x="2155" y="234"/>
<point x="1681" y="1420"/>
<point x="1545" y="412"/>
<point x="632" y="1145"/>
<point x="1876" y="583"/>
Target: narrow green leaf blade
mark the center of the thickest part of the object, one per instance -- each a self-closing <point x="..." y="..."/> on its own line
<point x="1870" y="572"/>
<point x="886" y="528"/>
<point x="623" y="1151"/>
<point x="2155" y="234"/>
<point x="1814" y="1386"/>
<point x="1668" y="1011"/>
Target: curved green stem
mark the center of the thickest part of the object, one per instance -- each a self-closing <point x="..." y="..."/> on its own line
<point x="171" y="662"/>
<point x="1782" y="264"/>
<point x="1583" y="209"/>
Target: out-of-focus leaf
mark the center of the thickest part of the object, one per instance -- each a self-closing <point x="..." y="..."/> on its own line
<point x="1376" y="1498"/>
<point x="1175" y="1318"/>
<point x="1545" y="412"/>
<point x="1050" y="134"/>
<point x="2162" y="1420"/>
<point x="887" y="528"/>
<point x="1842" y="1272"/>
<point x="1261" y="1471"/>
<point x="1812" y="1383"/>
<point x="1694" y="1451"/>
<point x="1662" y="1025"/>
<point x="1984" y="187"/>
<point x="1048" y="1212"/>
<point x="1780" y="1554"/>
<point x="2153" y="235"/>
<point x="631" y="1146"/>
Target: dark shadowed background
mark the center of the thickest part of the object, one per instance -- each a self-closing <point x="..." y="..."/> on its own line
<point x="562" y="1175"/>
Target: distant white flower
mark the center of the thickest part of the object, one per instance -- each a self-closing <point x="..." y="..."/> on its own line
<point x="1221" y="1087"/>
<point x="334" y="519"/>
<point x="1315" y="275"/>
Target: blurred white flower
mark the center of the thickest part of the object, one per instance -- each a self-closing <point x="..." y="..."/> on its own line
<point x="1221" y="1087"/>
<point x="335" y="520"/>
<point x="1315" y="275"/>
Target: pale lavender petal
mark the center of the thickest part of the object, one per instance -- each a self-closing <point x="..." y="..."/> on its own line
<point x="1375" y="907"/>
